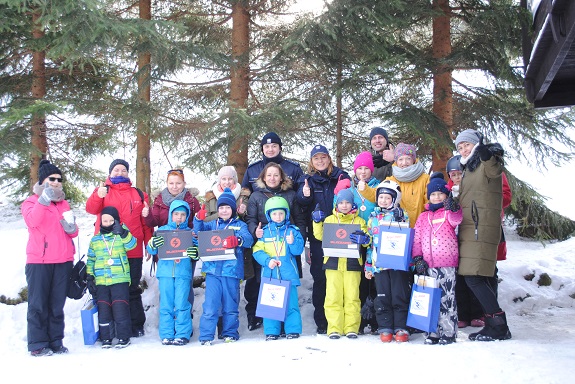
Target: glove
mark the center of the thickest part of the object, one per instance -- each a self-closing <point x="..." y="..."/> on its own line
<point x="118" y="229"/>
<point x="192" y="253"/>
<point x="91" y="284"/>
<point x="68" y="228"/>
<point x="368" y="309"/>
<point x="47" y="195"/>
<point x="359" y="237"/>
<point x="450" y="204"/>
<point x="378" y="161"/>
<point x="231" y="242"/>
<point x="398" y="214"/>
<point x="482" y="150"/>
<point x="202" y="213"/>
<point x="455" y="191"/>
<point x="341" y="185"/>
<point x="420" y="265"/>
<point x="156" y="242"/>
<point x="318" y="215"/>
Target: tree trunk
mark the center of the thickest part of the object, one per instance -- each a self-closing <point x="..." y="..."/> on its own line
<point x="38" y="136"/>
<point x="239" y="86"/>
<point x="339" y="118"/>
<point x="442" y="80"/>
<point x="143" y="130"/>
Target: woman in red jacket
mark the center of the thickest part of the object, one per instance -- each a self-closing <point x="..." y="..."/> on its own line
<point x="49" y="258"/>
<point x="132" y="204"/>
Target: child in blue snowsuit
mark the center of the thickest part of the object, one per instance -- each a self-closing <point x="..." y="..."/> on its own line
<point x="277" y="251"/>
<point x="223" y="276"/>
<point x="175" y="279"/>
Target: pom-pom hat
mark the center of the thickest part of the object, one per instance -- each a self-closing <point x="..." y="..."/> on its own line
<point x="437" y="184"/>
<point x="46" y="169"/>
<point x="227" y="198"/>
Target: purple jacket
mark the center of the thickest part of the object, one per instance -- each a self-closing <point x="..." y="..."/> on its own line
<point x="435" y="237"/>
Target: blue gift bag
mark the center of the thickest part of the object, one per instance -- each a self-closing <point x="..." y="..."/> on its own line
<point x="90" y="327"/>
<point x="424" y="304"/>
<point x="393" y="242"/>
<point x="273" y="299"/>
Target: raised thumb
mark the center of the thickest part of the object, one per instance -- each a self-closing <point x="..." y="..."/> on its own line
<point x="260" y="225"/>
<point x="204" y="206"/>
<point x="305" y="182"/>
<point x="102" y="184"/>
<point x="317" y="208"/>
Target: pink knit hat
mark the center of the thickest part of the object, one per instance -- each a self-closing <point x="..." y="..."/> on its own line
<point x="364" y="159"/>
<point x="402" y="149"/>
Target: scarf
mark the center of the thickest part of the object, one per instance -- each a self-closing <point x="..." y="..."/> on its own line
<point x="119" y="179"/>
<point x="59" y="195"/>
<point x="276" y="159"/>
<point x="408" y="174"/>
<point x="434" y="207"/>
<point x="217" y="189"/>
<point x="167" y="197"/>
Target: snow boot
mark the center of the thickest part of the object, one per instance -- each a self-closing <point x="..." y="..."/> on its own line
<point x="495" y="329"/>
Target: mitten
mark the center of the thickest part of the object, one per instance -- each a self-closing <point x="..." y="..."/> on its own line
<point x="91" y="284"/>
<point x="359" y="237"/>
<point x="318" y="215"/>
<point x="47" y="195"/>
<point x="341" y="185"/>
<point x="202" y="213"/>
<point x="420" y="265"/>
<point x="450" y="204"/>
<point x="68" y="228"/>
<point x="455" y="191"/>
<point x="482" y="150"/>
<point x="231" y="242"/>
<point x="192" y="253"/>
<point x="118" y="229"/>
<point x="156" y="242"/>
<point x="398" y="214"/>
<point x="368" y="309"/>
<point x="378" y="161"/>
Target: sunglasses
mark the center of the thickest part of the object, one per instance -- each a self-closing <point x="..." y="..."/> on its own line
<point x="58" y="179"/>
<point x="180" y="171"/>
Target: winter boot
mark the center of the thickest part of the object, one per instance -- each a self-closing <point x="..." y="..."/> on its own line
<point x="495" y="329"/>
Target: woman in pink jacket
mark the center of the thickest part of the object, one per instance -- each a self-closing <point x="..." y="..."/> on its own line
<point x="436" y="253"/>
<point x="49" y="258"/>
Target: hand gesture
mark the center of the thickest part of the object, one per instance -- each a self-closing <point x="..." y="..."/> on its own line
<point x="156" y="242"/>
<point x="145" y="210"/>
<point x="259" y="231"/>
<point x="241" y="208"/>
<point x="102" y="190"/>
<point x="361" y="185"/>
<point x="118" y="229"/>
<point x="274" y="263"/>
<point x="48" y="194"/>
<point x="290" y="238"/>
<point x="202" y="213"/>
<point x="455" y="191"/>
<point x="341" y="185"/>
<point x="389" y="155"/>
<point x="306" y="189"/>
<point x="450" y="204"/>
<point x="318" y="215"/>
<point x="230" y="242"/>
<point x="192" y="253"/>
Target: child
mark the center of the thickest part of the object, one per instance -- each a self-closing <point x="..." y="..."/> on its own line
<point x="276" y="251"/>
<point x="436" y="253"/>
<point x="343" y="275"/>
<point x="223" y="276"/>
<point x="392" y="286"/>
<point x="175" y="279"/>
<point x="109" y="277"/>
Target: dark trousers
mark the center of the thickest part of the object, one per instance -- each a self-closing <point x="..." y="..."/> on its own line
<point x="468" y="306"/>
<point x="392" y="301"/>
<point x="486" y="292"/>
<point x="47" y="287"/>
<point x="113" y="307"/>
<point x="252" y="290"/>
<point x="137" y="313"/>
<point x="366" y="289"/>
<point x="319" y="282"/>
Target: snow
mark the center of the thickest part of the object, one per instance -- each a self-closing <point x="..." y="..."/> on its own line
<point x="541" y="319"/>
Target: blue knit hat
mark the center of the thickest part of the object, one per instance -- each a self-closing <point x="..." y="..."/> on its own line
<point x="378" y="131"/>
<point x="437" y="184"/>
<point x="116" y="162"/>
<point x="345" y="195"/>
<point x="269" y="138"/>
<point x="227" y="198"/>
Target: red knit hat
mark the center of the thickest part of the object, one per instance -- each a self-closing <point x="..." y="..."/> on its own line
<point x="364" y="159"/>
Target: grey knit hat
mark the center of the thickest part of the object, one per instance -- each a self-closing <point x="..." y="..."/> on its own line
<point x="468" y="136"/>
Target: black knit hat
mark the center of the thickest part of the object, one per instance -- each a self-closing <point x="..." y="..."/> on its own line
<point x="378" y="131"/>
<point x="112" y="211"/>
<point x="119" y="161"/>
<point x="46" y="169"/>
<point x="270" y="138"/>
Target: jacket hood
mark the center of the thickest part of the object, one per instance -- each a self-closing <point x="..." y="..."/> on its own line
<point x="285" y="185"/>
<point x="177" y="204"/>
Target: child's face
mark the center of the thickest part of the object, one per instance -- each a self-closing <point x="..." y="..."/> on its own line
<point x="320" y="161"/>
<point x="437" y="197"/>
<point x="404" y="161"/>
<point x="178" y="217"/>
<point x="363" y="173"/>
<point x="175" y="184"/>
<point x="384" y="200"/>
<point x="278" y="216"/>
<point x="344" y="206"/>
<point x="107" y="220"/>
<point x="464" y="148"/>
<point x="224" y="212"/>
<point x="456" y="176"/>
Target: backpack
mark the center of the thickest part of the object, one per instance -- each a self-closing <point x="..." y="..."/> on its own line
<point x="78" y="284"/>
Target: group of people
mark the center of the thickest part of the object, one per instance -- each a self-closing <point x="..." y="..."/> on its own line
<point x="272" y="213"/>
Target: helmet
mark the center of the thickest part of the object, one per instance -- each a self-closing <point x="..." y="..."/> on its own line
<point x="453" y="164"/>
<point x="276" y="202"/>
<point x="391" y="188"/>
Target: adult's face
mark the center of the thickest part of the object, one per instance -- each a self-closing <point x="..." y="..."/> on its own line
<point x="54" y="180"/>
<point x="271" y="150"/>
<point x="404" y="161"/>
<point x="227" y="182"/>
<point x="272" y="177"/>
<point x="378" y="143"/>
<point x="119" y="170"/>
<point x="320" y="161"/>
<point x="175" y="184"/>
<point x="464" y="148"/>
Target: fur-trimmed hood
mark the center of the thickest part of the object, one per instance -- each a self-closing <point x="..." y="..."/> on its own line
<point x="286" y="185"/>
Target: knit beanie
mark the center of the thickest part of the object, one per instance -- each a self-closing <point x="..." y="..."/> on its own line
<point x="318" y="149"/>
<point x="116" y="162"/>
<point x="112" y="211"/>
<point x="364" y="159"/>
<point x="227" y="198"/>
<point x="269" y="138"/>
<point x="378" y="131"/>
<point x="467" y="136"/>
<point x="46" y="169"/>
<point x="344" y="194"/>
<point x="228" y="171"/>
<point x="402" y="149"/>
<point x="437" y="184"/>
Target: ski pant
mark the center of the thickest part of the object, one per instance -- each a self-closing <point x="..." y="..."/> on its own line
<point x="392" y="301"/>
<point x="113" y="306"/>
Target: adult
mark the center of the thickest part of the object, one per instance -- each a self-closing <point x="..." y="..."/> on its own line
<point x="271" y="148"/>
<point x="132" y="204"/>
<point x="481" y="197"/>
<point x="382" y="152"/>
<point x="316" y="193"/>
<point x="271" y="182"/>
<point x="49" y="259"/>
<point x="227" y="178"/>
